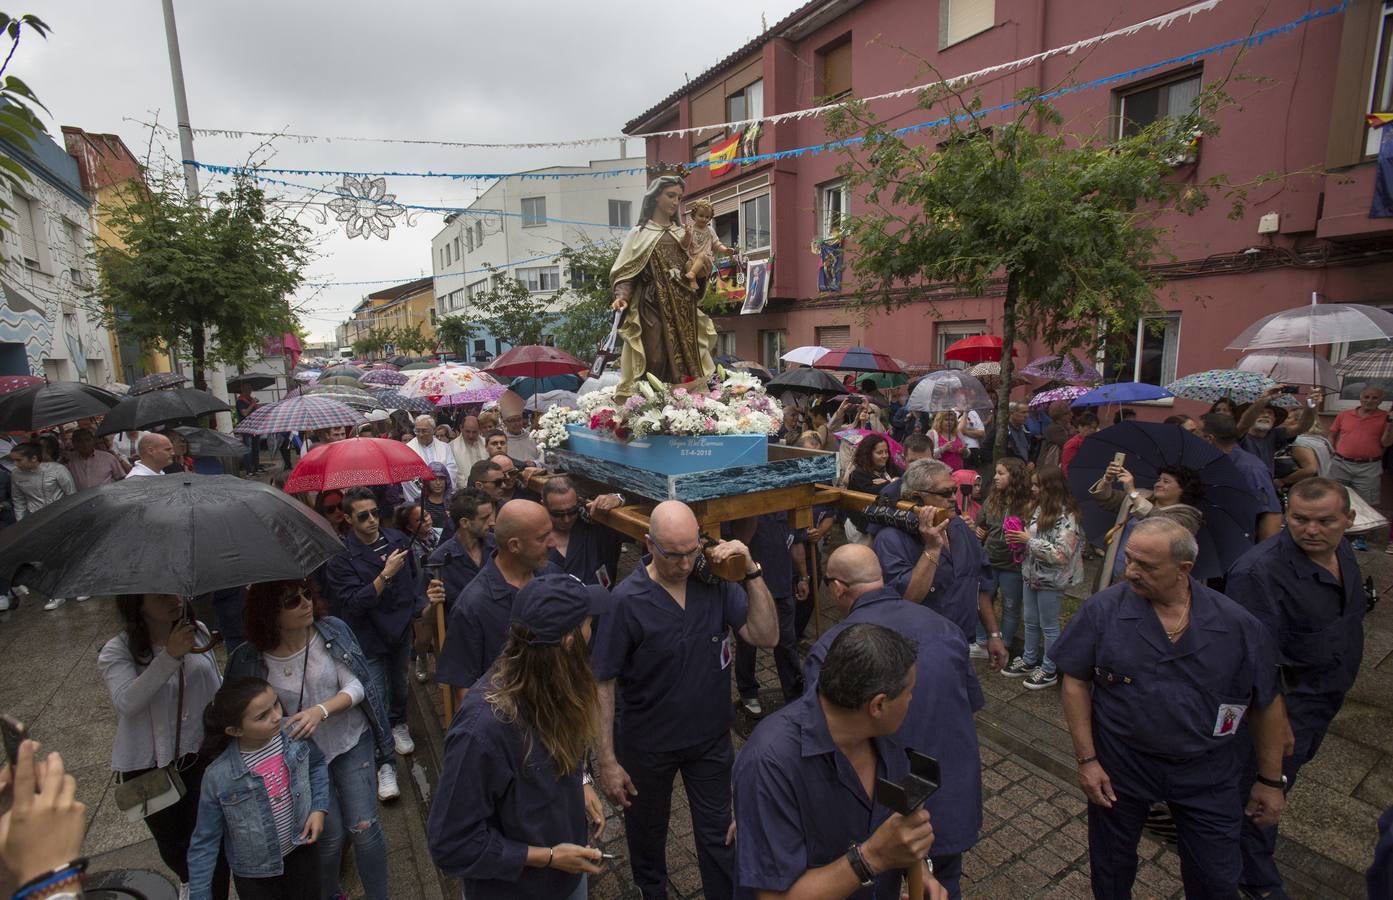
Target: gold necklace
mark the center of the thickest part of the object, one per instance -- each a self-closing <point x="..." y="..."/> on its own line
<point x="1184" y="622"/>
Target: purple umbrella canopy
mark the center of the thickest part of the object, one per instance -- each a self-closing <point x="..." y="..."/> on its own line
<point x="1063" y="367"/>
<point x="387" y="377"/>
<point x="1069" y="392"/>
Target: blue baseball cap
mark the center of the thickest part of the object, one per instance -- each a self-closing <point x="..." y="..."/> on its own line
<point x="552" y="606"/>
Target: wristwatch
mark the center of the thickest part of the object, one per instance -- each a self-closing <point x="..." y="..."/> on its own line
<point x="1133" y="496"/>
<point x="1278" y="783"/>
<point x="757" y="573"/>
<point x="859" y="868"/>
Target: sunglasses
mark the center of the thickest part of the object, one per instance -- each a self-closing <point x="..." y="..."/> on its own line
<point x="493" y="481"/>
<point x="564" y="513"/>
<point x="366" y="514"/>
<point x="331" y="507"/>
<point x="946" y="493"/>
<point x="296" y="600"/>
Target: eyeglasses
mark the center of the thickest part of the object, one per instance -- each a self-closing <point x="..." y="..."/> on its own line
<point x="364" y="515"/>
<point x="564" y="513"/>
<point x="828" y="579"/>
<point x="674" y="554"/>
<point x="296" y="600"/>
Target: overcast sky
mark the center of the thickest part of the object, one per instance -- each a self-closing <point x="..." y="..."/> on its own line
<point x="519" y="70"/>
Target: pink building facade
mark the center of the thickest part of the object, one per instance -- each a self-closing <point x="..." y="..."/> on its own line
<point x="1300" y="114"/>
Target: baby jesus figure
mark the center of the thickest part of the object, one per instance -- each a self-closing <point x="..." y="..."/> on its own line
<point x="701" y="243"/>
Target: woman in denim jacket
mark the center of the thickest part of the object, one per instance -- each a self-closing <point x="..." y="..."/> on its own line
<point x="264" y="799"/>
<point x="322" y="679"/>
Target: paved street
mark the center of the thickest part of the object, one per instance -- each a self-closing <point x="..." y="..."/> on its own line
<point x="1034" y="838"/>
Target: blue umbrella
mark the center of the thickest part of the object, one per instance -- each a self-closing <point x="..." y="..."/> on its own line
<point x="1230" y="509"/>
<point x="1122" y="392"/>
<point x="525" y="386"/>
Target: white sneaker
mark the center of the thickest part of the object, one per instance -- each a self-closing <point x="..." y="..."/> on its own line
<point x="54" y="603"/>
<point x="753" y="706"/>
<point x="84" y="598"/>
<point x="976" y="650"/>
<point x="401" y="737"/>
<point x="21" y="591"/>
<point x="387" y="783"/>
<point x="5" y="602"/>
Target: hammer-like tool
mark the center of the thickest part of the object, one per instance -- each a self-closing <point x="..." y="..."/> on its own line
<point x="905" y="798"/>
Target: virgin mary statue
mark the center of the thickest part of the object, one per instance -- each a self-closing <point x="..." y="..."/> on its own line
<point x="665" y="333"/>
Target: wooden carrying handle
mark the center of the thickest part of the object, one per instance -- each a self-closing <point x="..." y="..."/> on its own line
<point x="916" y="881"/>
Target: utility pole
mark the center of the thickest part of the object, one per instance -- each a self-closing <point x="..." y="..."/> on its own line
<point x="214" y="375"/>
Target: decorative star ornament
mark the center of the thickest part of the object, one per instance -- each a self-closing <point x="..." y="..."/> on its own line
<point x="366" y="208"/>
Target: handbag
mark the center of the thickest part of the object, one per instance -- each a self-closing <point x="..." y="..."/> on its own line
<point x="160" y="788"/>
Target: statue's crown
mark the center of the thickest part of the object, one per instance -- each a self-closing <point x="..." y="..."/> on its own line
<point x="660" y="169"/>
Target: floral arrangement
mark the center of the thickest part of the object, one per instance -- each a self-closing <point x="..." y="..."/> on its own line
<point x="731" y="403"/>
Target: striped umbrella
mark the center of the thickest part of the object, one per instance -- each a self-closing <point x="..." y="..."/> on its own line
<point x="390" y="399"/>
<point x="389" y="377"/>
<point x="857" y="359"/>
<point x="1216" y="384"/>
<point x="1070" y="392"/>
<point x="298" y="414"/>
<point x="354" y="398"/>
<point x="1369" y="365"/>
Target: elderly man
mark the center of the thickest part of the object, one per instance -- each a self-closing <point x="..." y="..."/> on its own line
<point x="1265" y="431"/>
<point x="431" y="451"/>
<point x="463" y="556"/>
<point x="1160" y="674"/>
<point x="476" y="627"/>
<point x="1305" y="587"/>
<point x="468" y="446"/>
<point x="1221" y="431"/>
<point x="1020" y="443"/>
<point x="90" y="465"/>
<point x="582" y="548"/>
<point x="154" y="453"/>
<point x="940" y="719"/>
<point x="1360" y="436"/>
<point x="669" y="646"/>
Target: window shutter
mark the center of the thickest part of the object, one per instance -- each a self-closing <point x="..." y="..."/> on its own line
<point x="836" y="70"/>
<point x="964" y="18"/>
<point x="834" y="337"/>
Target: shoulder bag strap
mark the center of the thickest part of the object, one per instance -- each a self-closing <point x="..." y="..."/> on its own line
<point x="179" y="717"/>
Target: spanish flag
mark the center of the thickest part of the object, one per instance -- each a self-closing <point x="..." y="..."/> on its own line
<point x="722" y="153"/>
<point x="1378" y="120"/>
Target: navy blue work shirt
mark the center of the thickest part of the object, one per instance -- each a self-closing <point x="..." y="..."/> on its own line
<point x="457" y="568"/>
<point x="1267" y="447"/>
<point x="1181" y="699"/>
<point x="1259" y="479"/>
<point x="961" y="565"/>
<point x="1316" y="620"/>
<point x="799" y="804"/>
<point x="476" y="627"/>
<point x="379" y="621"/>
<point x="590" y="548"/>
<point x="494" y="799"/>
<point x="939" y="721"/>
<point x="770" y="546"/>
<point x="671" y="665"/>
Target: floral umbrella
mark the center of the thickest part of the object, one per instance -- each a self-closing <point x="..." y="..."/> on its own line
<point x="1063" y="368"/>
<point x="1069" y="392"/>
<point x="449" y="380"/>
<point x="1215" y="384"/>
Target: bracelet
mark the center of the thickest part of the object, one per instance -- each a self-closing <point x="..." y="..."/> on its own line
<point x="551" y="854"/>
<point x="1085" y="760"/>
<point x="52" y="878"/>
<point x="994" y="634"/>
<point x="932" y="559"/>
<point x="321" y="707"/>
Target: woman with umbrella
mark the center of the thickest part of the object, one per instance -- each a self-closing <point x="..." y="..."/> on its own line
<point x="946" y="435"/>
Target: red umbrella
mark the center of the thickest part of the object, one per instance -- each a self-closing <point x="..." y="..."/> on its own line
<point x="535" y="361"/>
<point x="15" y="382"/>
<point x="857" y="359"/>
<point x="355" y="462"/>
<point x="976" y="349"/>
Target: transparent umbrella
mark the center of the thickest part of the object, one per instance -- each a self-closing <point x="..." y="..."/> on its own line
<point x="1316" y="324"/>
<point x="948" y="389"/>
<point x="1291" y="367"/>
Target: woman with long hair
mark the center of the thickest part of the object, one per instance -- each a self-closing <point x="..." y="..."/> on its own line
<point x="327" y="694"/>
<point x="1010" y="500"/>
<point x="871" y="470"/>
<point x="435" y="500"/>
<point x="329" y="504"/>
<point x="510" y="814"/>
<point x="946" y="435"/>
<point x="1053" y="561"/>
<point x="159" y="687"/>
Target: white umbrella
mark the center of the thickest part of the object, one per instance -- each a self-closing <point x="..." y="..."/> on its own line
<point x="805" y="356"/>
<point x="1317" y="324"/>
<point x="607" y="380"/>
<point x="1291" y="367"/>
<point x="948" y="389"/>
<point x="547" y="399"/>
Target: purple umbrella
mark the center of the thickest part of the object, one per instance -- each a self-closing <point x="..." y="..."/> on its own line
<point x="387" y="377"/>
<point x="1063" y="368"/>
<point x="1068" y="392"/>
<point x="481" y="394"/>
<point x="298" y="414"/>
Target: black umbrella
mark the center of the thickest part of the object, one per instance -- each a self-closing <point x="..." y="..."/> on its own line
<point x="806" y="381"/>
<point x="56" y="403"/>
<point x="250" y="382"/>
<point x="169" y="534"/>
<point x="135" y="413"/>
<point x="207" y="442"/>
<point x="157" y="382"/>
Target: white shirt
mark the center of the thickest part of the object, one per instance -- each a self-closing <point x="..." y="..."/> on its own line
<point x="467" y="454"/>
<point x="140" y="470"/>
<point x="522" y="448"/>
<point x="974" y="422"/>
<point x="147" y="702"/>
<point x="434" y="452"/>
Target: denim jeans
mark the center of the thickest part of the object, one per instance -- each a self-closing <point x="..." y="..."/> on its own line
<point x="1041" y="614"/>
<point x="389" y="673"/>
<point x="1010" y="583"/>
<point x="353" y="801"/>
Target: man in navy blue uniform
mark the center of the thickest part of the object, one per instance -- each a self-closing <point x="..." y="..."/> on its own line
<point x="477" y="624"/>
<point x="940" y="719"/>
<point x="1165" y="682"/>
<point x="805" y="781"/>
<point x="669" y="646"/>
<point x="1222" y="431"/>
<point x="779" y="552"/>
<point x="1304" y="586"/>
<point x="587" y="550"/>
<point x="380" y="590"/>
<point x="461" y="557"/>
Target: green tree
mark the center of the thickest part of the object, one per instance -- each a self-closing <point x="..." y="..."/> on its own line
<point x="19" y="123"/>
<point x="411" y="341"/>
<point x="512" y="313"/>
<point x="455" y="332"/>
<point x="1064" y="226"/>
<point x="585" y="318"/>
<point x="213" y="278"/>
<point x="369" y="345"/>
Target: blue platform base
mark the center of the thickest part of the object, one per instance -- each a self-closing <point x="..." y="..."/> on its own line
<point x="668" y="455"/>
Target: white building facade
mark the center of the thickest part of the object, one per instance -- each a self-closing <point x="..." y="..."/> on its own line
<point x="519" y="226"/>
<point x="48" y="323"/>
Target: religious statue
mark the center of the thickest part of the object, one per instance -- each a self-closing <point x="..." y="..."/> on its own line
<point x="701" y="242"/>
<point x="665" y="332"/>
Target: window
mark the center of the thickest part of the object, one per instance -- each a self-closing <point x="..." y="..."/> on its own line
<point x="754" y="221"/>
<point x="479" y="233"/>
<point x="540" y="278"/>
<point x="959" y="20"/>
<point x="27" y="229"/>
<point x="1140" y="108"/>
<point x="1150" y="352"/>
<point x="836" y="70"/>
<point x="949" y="332"/>
<point x="534" y="211"/>
<point x="456" y="299"/>
<point x="476" y="289"/>
<point x="432" y="317"/>
<point x="832" y="207"/>
<point x="725" y="344"/>
<point x="747" y="103"/>
<point x="833" y="337"/>
<point x="444" y="257"/>
<point x="772" y="345"/>
<point x="456" y="243"/>
<point x="620" y="213"/>
<point x="1381" y="80"/>
<point x="469" y="238"/>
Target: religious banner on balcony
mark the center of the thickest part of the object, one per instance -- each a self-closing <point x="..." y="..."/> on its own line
<point x="721" y="154"/>
<point x="829" y="269"/>
<point x="757" y="278"/>
<point x="730" y="278"/>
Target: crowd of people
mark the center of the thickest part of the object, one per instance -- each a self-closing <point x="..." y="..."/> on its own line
<point x="1201" y="694"/>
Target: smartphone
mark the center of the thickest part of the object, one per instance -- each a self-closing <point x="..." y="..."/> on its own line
<point x="14" y="733"/>
<point x="1119" y="458"/>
